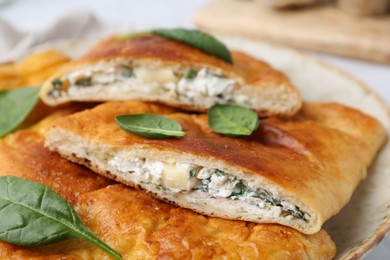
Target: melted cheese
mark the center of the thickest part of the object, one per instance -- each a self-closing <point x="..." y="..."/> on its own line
<point x="177" y="177"/>
<point x="161" y="75"/>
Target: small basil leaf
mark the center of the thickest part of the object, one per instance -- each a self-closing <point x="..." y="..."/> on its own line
<point x="32" y="215"/>
<point x="232" y="120"/>
<point x="125" y="36"/>
<point x="197" y="39"/>
<point x="150" y="125"/>
<point x="15" y="105"/>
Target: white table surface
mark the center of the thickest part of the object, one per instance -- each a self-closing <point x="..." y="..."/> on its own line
<point x="30" y="15"/>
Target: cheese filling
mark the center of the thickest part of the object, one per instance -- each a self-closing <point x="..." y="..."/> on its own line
<point x="190" y="178"/>
<point x="188" y="86"/>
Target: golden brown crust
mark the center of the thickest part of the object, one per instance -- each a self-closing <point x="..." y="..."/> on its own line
<point x="32" y="70"/>
<point x="317" y="159"/>
<point x="159" y="230"/>
<point x="39" y="66"/>
<point x="42" y="111"/>
<point x="139" y="226"/>
<point x="74" y="249"/>
<point x="27" y="159"/>
<point x="155" y="48"/>
<point x="257" y="72"/>
<point x="9" y="77"/>
<point x="356" y="124"/>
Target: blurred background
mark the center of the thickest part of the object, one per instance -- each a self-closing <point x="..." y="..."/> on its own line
<point x="357" y="29"/>
<point x="37" y="14"/>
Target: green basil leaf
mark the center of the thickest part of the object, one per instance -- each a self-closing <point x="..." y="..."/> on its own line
<point x="197" y="39"/>
<point x="150" y="125"/>
<point x="32" y="215"/>
<point x="125" y="36"/>
<point x="232" y="120"/>
<point x="15" y="105"/>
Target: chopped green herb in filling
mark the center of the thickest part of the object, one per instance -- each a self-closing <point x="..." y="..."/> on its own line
<point x="128" y="74"/>
<point x="190" y="74"/>
<point x="221" y="184"/>
<point x="190" y="178"/>
<point x="192" y="173"/>
<point x="185" y="85"/>
<point x="84" y="82"/>
<point x="58" y="87"/>
<point x="57" y="84"/>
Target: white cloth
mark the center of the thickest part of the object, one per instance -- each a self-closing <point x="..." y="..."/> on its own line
<point x="78" y="24"/>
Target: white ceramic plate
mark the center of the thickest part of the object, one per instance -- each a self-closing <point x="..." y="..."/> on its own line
<point x="366" y="219"/>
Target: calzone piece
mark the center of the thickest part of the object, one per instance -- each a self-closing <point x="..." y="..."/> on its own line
<point x="138" y="226"/>
<point x="152" y="68"/>
<point x="296" y="172"/>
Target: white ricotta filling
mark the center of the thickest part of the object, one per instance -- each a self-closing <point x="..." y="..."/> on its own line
<point x="104" y="79"/>
<point x="190" y="178"/>
<point x="205" y="86"/>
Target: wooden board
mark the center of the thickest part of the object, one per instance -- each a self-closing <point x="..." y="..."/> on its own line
<point x="322" y="28"/>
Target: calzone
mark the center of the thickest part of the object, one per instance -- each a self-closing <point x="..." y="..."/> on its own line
<point x="152" y="68"/>
<point x="296" y="172"/>
<point x="136" y="225"/>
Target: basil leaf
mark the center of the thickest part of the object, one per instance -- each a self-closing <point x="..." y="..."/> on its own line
<point x="15" y="105"/>
<point x="232" y="120"/>
<point x="197" y="39"/>
<point x="150" y="125"/>
<point x="32" y="215"/>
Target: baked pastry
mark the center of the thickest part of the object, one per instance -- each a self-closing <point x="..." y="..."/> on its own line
<point x="32" y="70"/>
<point x="151" y="68"/>
<point x="136" y="225"/>
<point x="296" y="172"/>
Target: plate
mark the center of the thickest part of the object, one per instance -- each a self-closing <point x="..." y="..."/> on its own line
<point x="362" y="224"/>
